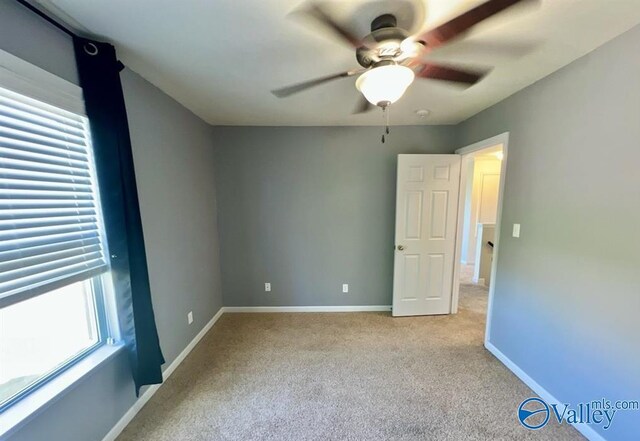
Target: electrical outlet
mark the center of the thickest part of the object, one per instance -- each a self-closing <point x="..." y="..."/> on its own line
<point x="190" y="317"/>
<point x="345" y="287"/>
<point x="516" y="230"/>
<point x="267" y="287"/>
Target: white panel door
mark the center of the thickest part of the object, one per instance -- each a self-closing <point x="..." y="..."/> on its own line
<point x="426" y="218"/>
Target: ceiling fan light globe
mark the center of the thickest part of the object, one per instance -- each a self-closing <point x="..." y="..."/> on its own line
<point x="385" y="83"/>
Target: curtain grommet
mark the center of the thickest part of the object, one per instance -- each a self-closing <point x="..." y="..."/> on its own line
<point x="90" y="49"/>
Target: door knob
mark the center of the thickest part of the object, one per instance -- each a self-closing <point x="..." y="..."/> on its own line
<point x="400" y="247"/>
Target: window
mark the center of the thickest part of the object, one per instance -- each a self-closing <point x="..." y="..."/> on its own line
<point x="52" y="247"/>
<point x="44" y="334"/>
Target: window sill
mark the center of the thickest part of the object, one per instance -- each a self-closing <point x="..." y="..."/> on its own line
<point x="37" y="401"/>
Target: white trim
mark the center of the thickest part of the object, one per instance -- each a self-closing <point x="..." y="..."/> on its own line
<point x="151" y="390"/>
<point x="583" y="428"/>
<point x="30" y="80"/>
<point x="502" y="139"/>
<point x="355" y="308"/>
<point x="457" y="252"/>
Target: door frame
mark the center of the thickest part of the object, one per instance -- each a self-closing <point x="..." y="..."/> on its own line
<point x="466" y="153"/>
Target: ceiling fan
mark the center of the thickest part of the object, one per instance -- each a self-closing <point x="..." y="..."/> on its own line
<point x="391" y="58"/>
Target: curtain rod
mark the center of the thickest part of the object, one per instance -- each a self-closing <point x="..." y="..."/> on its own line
<point x="37" y="11"/>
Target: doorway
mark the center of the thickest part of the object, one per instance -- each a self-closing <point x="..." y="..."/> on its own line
<point x="483" y="167"/>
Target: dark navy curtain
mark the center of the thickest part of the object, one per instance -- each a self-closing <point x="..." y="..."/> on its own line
<point x="99" y="72"/>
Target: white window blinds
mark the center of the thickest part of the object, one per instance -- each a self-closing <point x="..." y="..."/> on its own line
<point x="51" y="231"/>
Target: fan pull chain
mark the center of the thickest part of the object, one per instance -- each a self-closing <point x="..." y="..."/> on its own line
<point x="385" y="115"/>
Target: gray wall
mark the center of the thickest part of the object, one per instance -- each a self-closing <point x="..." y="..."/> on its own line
<point x="310" y="208"/>
<point x="173" y="159"/>
<point x="567" y="295"/>
<point x="27" y="36"/>
<point x="173" y="156"/>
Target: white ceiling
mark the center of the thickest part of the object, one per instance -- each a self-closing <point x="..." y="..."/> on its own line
<point x="221" y="58"/>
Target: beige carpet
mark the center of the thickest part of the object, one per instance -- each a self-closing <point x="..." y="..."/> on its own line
<point x="342" y="376"/>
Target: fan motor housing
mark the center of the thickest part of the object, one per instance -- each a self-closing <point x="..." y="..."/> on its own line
<point x="384" y="21"/>
<point x="382" y="43"/>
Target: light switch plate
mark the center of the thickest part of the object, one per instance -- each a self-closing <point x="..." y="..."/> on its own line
<point x="345" y="287"/>
<point x="267" y="287"/>
<point x="190" y="317"/>
<point x="516" y="230"/>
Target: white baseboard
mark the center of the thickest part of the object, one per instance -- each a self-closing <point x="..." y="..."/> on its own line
<point x="368" y="308"/>
<point x="583" y="428"/>
<point x="151" y="390"/>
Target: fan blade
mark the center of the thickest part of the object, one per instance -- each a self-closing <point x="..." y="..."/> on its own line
<point x="290" y="90"/>
<point x="363" y="106"/>
<point x="320" y="13"/>
<point x="438" y="72"/>
<point x="453" y="28"/>
<point x="483" y="51"/>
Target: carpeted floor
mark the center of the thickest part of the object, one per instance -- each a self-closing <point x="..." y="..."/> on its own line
<point x="342" y="376"/>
